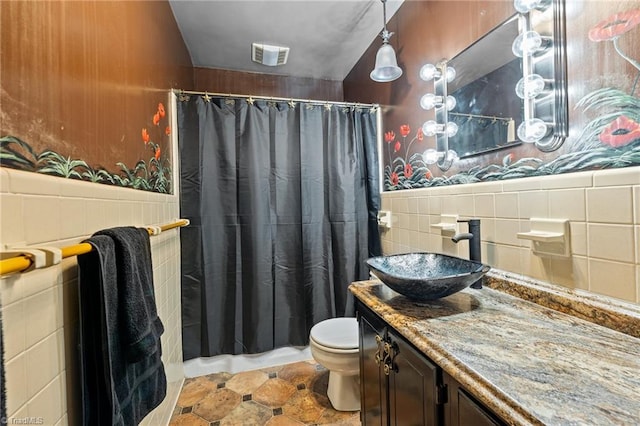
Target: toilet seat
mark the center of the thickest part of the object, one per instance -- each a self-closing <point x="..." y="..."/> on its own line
<point x="332" y="350"/>
<point x="336" y="334"/>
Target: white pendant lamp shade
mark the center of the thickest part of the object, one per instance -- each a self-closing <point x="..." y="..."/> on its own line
<point x="386" y="68"/>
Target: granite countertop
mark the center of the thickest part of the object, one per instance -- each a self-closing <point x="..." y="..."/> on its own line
<point x="526" y="362"/>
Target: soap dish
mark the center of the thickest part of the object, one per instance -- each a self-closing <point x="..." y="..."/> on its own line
<point x="551" y="237"/>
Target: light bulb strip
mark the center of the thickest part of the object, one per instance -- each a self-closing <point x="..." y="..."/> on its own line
<point x="442" y="156"/>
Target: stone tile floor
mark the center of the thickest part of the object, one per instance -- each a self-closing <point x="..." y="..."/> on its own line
<point x="290" y="394"/>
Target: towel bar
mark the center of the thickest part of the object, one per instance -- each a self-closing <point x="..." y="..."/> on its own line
<point x="37" y="257"/>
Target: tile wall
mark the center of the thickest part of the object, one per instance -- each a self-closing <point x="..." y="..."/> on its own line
<point x="603" y="208"/>
<point x="40" y="308"/>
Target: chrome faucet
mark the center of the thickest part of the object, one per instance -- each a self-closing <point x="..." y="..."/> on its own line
<point x="474" y="243"/>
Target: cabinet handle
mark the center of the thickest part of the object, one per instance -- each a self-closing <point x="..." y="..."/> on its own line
<point x="377" y="357"/>
<point x="391" y="350"/>
<point x="387" y="360"/>
<point x="387" y="368"/>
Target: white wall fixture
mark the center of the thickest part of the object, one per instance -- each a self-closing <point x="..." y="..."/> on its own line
<point x="551" y="237"/>
<point x="384" y="219"/>
<point x="448" y="224"/>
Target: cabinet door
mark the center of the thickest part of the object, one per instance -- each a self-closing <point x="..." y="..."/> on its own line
<point x="373" y="382"/>
<point x="463" y="410"/>
<point x="412" y="387"/>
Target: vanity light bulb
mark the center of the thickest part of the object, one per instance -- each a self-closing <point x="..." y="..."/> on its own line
<point x="532" y="130"/>
<point x="530" y="86"/>
<point x="524" y="6"/>
<point x="430" y="156"/>
<point x="451" y="103"/>
<point x="428" y="72"/>
<point x="451" y="129"/>
<point x="428" y="101"/>
<point x="451" y="74"/>
<point x="451" y="155"/>
<point x="526" y="43"/>
<point x="430" y="128"/>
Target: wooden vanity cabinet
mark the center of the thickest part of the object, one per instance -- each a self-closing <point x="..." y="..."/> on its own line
<point x="401" y="386"/>
<point x="462" y="409"/>
<point x="413" y="387"/>
<point x="373" y="382"/>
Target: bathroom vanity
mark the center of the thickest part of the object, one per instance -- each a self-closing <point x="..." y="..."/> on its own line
<point x="493" y="356"/>
<point x="401" y="386"/>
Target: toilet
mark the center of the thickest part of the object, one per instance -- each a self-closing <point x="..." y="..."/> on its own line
<point x="334" y="345"/>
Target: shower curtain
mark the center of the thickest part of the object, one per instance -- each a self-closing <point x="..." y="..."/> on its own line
<point x="283" y="200"/>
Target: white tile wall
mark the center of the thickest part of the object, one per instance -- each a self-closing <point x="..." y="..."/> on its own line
<point x="40" y="308"/>
<point x="603" y="208"/>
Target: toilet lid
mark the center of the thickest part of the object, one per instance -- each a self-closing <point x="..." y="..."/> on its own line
<point x="337" y="333"/>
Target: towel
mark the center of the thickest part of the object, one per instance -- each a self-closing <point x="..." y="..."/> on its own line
<point x="123" y="377"/>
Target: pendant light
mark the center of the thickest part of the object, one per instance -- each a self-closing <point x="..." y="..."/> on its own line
<point x="386" y="68"/>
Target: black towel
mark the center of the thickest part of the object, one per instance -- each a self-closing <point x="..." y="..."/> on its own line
<point x="123" y="377"/>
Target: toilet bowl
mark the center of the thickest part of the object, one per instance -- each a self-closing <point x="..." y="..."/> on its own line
<point x="334" y="345"/>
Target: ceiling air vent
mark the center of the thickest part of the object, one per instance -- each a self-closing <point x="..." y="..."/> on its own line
<point x="267" y="54"/>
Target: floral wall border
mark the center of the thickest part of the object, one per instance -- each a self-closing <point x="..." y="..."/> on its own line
<point x="152" y="175"/>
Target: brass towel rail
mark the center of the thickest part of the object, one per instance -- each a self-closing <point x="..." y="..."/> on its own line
<point x="22" y="262"/>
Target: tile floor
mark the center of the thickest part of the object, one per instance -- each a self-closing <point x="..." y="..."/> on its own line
<point x="290" y="394"/>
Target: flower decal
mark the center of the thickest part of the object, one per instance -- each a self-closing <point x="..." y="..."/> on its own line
<point x="405" y="168"/>
<point x="615" y="25"/>
<point x="428" y="175"/>
<point x="408" y="171"/>
<point x="145" y="136"/>
<point x="152" y="140"/>
<point x="618" y="123"/>
<point x="394" y="178"/>
<point x="613" y="28"/>
<point x="620" y="132"/>
<point x="389" y="137"/>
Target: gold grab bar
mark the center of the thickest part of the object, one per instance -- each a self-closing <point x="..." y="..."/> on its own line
<point x="23" y="262"/>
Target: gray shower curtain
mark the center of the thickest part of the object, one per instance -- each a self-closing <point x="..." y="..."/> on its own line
<point x="283" y="201"/>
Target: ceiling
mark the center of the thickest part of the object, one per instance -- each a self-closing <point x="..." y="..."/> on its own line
<point x="326" y="37"/>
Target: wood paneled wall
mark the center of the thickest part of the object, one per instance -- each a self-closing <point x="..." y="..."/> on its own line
<point x="84" y="78"/>
<point x="246" y="83"/>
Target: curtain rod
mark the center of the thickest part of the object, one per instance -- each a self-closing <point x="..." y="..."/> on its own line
<point x="274" y="98"/>
<point x="24" y="261"/>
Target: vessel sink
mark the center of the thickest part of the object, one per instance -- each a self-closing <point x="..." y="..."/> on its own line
<point x="426" y="276"/>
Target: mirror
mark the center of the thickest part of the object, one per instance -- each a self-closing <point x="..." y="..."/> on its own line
<point x="489" y="114"/>
<point x="487" y="109"/>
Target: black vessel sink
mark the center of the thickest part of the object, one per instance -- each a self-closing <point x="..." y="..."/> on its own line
<point x="426" y="276"/>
